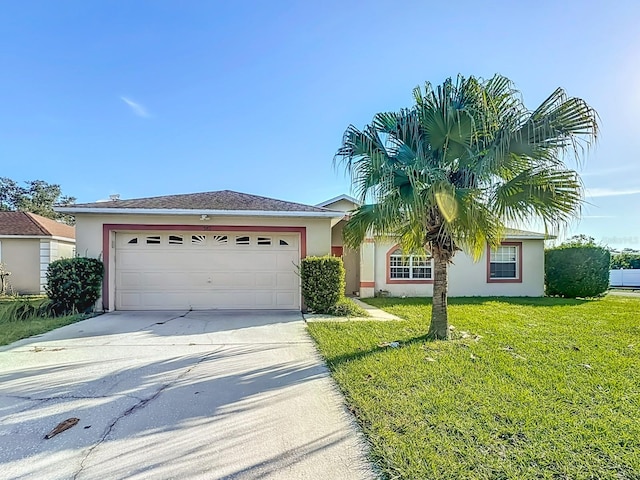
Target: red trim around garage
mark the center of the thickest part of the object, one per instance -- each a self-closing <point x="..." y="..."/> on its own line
<point x="505" y="280"/>
<point x="108" y="228"/>
<point x="405" y="281"/>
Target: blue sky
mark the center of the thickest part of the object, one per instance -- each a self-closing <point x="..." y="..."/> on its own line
<point x="147" y="98"/>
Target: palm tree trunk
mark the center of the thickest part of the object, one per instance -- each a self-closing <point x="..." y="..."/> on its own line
<point x="439" y="328"/>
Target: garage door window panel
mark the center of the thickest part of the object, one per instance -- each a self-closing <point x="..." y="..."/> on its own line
<point x="176" y="239"/>
<point x="219" y="240"/>
<point x="243" y="240"/>
<point x="198" y="240"/>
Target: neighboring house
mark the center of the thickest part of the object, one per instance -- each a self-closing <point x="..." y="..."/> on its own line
<point x="28" y="243"/>
<point x="233" y="250"/>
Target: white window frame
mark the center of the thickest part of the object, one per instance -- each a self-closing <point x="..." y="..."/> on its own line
<point x="413" y="262"/>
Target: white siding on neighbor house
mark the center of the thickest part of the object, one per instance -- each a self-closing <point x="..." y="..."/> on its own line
<point x="89" y="233"/>
<point x="48" y="249"/>
<point x="624" y="278"/>
<point x="468" y="278"/>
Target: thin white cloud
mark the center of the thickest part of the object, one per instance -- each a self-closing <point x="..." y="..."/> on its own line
<point x="598" y="216"/>
<point x="610" y="192"/>
<point x="609" y="171"/>
<point x="136" y="108"/>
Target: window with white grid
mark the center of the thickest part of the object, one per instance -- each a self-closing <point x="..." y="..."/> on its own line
<point x="504" y="262"/>
<point x="410" y="267"/>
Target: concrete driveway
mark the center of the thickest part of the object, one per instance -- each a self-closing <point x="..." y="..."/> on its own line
<point x="238" y="395"/>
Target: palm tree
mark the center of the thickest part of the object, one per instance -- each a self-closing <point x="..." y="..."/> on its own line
<point x="468" y="159"/>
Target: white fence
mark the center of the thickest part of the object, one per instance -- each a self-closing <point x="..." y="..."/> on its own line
<point x="624" y="278"/>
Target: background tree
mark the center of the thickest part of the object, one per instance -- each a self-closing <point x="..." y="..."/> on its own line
<point x="468" y="159"/>
<point x="37" y="197"/>
<point x="628" y="258"/>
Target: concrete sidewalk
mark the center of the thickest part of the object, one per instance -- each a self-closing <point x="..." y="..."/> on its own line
<point x="375" y="314"/>
<point x="207" y="395"/>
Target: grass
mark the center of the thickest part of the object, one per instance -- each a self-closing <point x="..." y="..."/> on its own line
<point x="346" y="307"/>
<point x="14" y="326"/>
<point x="528" y="388"/>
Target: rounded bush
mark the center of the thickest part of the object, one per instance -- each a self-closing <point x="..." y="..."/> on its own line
<point x="73" y="284"/>
<point x="323" y="282"/>
<point x="577" y="271"/>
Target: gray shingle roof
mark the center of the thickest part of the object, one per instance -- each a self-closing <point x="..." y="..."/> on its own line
<point x="220" y="200"/>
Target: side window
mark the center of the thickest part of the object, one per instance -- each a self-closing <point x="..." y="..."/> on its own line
<point x="504" y="263"/>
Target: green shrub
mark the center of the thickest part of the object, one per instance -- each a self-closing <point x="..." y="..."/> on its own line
<point x="348" y="308"/>
<point x="577" y="270"/>
<point x="73" y="284"/>
<point x="323" y="282"/>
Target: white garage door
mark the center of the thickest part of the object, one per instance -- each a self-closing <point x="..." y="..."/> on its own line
<point x="203" y="270"/>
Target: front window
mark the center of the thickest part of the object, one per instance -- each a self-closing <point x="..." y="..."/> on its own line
<point x="409" y="267"/>
<point x="504" y="262"/>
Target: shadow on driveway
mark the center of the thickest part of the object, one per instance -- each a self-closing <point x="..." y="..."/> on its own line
<point x="227" y="395"/>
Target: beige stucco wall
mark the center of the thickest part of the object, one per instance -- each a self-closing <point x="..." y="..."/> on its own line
<point x="336" y="234"/>
<point x="466" y="277"/>
<point x="22" y="258"/>
<point x="89" y="232"/>
<point x="350" y="258"/>
<point x="65" y="250"/>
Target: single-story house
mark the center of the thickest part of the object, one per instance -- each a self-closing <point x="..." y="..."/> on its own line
<point x="28" y="243"/>
<point x="226" y="249"/>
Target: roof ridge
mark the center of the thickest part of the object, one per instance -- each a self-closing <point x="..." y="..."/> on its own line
<point x="213" y="200"/>
<point x="40" y="226"/>
<point x="270" y="198"/>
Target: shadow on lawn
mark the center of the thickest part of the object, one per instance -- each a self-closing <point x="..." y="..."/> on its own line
<point x="454" y="301"/>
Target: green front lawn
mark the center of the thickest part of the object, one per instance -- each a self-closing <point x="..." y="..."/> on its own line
<point x="528" y="388"/>
<point x="13" y="329"/>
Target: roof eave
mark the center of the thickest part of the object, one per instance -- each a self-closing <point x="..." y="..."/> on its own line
<point x="337" y="199"/>
<point x="530" y="237"/>
<point x="47" y="237"/>
<point x="175" y="211"/>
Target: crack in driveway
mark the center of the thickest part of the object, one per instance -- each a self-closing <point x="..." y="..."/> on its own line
<point x="139" y="406"/>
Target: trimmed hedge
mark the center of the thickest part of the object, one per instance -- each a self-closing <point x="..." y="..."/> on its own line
<point x="323" y="282"/>
<point x="577" y="271"/>
<point x="73" y="284"/>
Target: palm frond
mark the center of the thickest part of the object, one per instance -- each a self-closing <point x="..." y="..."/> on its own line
<point x="464" y="161"/>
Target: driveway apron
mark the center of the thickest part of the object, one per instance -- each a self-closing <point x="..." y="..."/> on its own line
<point x="206" y="395"/>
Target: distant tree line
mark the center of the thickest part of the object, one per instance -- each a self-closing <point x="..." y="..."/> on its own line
<point x="37" y="196"/>
<point x="627" y="258"/>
